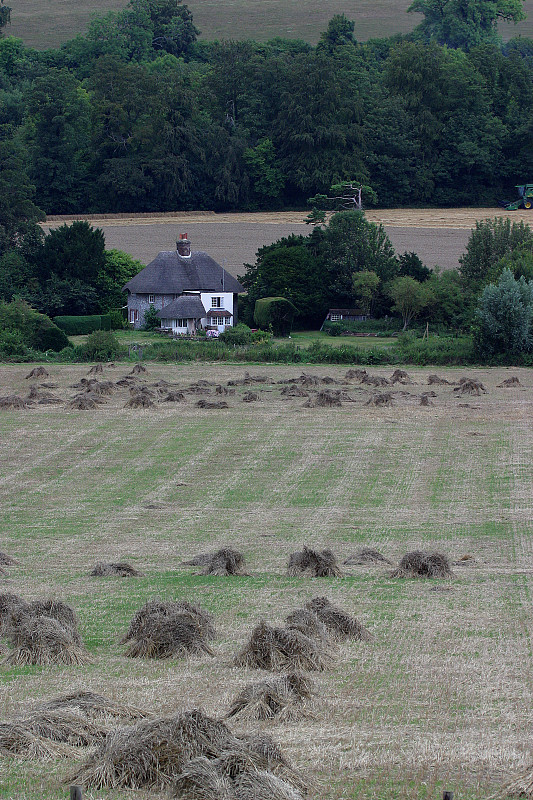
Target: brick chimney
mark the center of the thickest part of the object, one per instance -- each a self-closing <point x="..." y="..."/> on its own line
<point x="183" y="246"/>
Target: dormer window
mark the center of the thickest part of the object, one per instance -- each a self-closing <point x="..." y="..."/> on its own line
<point x="151" y="298"/>
<point x="216" y="302"/>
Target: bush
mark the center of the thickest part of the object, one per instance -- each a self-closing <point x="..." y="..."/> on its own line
<point x="37" y="331"/>
<point x="12" y="346"/>
<point x="78" y="326"/>
<point x="241" y="335"/>
<point x="276" y="314"/>
<point x="151" y="320"/>
<point x="101" y="346"/>
<point x="503" y="317"/>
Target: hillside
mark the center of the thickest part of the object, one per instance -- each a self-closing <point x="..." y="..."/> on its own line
<point x="49" y="25"/>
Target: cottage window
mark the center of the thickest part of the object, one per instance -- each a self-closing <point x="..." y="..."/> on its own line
<point x="134" y="315"/>
<point x="336" y="317"/>
<point x="216" y="302"/>
<point x="218" y="321"/>
<point x="151" y="298"/>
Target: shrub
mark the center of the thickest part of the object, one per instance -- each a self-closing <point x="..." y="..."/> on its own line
<point x="80" y="325"/>
<point x="101" y="346"/>
<point x="151" y="320"/>
<point x="241" y="335"/>
<point x="37" y="331"/>
<point x="12" y="346"/>
<point x="275" y="313"/>
<point x="503" y="317"/>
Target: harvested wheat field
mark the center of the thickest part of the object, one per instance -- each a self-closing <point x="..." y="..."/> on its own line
<point x="439" y="236"/>
<point x="437" y="693"/>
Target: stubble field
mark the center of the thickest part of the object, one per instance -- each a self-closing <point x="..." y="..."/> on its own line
<point x="438" y="236"/>
<point x="441" y="695"/>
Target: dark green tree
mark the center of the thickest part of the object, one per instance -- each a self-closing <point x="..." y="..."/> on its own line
<point x="464" y="23"/>
<point x="503" y="317"/>
<point x="490" y="241"/>
<point x="18" y="213"/>
<point x="73" y="252"/>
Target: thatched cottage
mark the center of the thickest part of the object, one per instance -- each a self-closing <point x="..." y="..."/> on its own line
<point x="188" y="289"/>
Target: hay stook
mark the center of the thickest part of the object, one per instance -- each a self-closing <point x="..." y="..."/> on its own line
<point x="314" y="563"/>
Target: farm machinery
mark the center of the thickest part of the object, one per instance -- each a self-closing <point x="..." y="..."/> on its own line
<point x="524" y="201"/>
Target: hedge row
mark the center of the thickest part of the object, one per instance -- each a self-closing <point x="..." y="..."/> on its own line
<point x="77" y="326"/>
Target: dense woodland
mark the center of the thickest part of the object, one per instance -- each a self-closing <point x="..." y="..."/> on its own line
<point x="139" y="115"/>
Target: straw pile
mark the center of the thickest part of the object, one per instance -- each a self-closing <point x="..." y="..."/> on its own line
<point x="7" y="560"/>
<point x="385" y="399"/>
<point x="215" y="404"/>
<point x="367" y="555"/>
<point x="293" y="391"/>
<point x="314" y="563"/>
<point x="356" y="374"/>
<point x="95" y="369"/>
<point x="143" y="618"/>
<point x="508" y="383"/>
<point x="14" y="401"/>
<point x="374" y="380"/>
<point x="9" y="604"/>
<point x="470" y="386"/>
<point x="137" y="369"/>
<point x="169" y="630"/>
<point x="93" y="706"/>
<point x="280" y="649"/>
<point x="339" y="624"/>
<point x="38" y="372"/>
<point x="521" y="786"/>
<point x="324" y="399"/>
<point x="120" y="568"/>
<point x="140" y="399"/>
<point x="435" y="380"/>
<point x="152" y="754"/>
<point x="43" y="640"/>
<point x="223" y="562"/>
<point x="174" y="397"/>
<point x="83" y="402"/>
<point x="287" y="698"/>
<point x="400" y="376"/>
<point x="250" y="397"/>
<point x="307" y="623"/>
<point x="422" y="564"/>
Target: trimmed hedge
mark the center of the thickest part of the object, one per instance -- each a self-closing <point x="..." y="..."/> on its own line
<point x="276" y="313"/>
<point x="77" y="326"/>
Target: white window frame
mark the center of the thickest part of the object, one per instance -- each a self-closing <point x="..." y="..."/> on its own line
<point x="335" y="317"/>
<point x="151" y="299"/>
<point x="216" y="302"/>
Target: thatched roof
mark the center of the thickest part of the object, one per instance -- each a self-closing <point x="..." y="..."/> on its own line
<point x="188" y="306"/>
<point x="170" y="273"/>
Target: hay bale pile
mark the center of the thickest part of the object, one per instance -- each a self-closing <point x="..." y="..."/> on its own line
<point x="293" y="391"/>
<point x="400" y="376"/>
<point x="7" y="560"/>
<point x="340" y="625"/>
<point x="211" y="405"/>
<point x="197" y="756"/>
<point x="10" y="604"/>
<point x="250" y="397"/>
<point x="174" y="397"/>
<point x="283" y="649"/>
<point x="93" y="706"/>
<point x="435" y="380"/>
<point x="101" y="569"/>
<point x="470" y="386"/>
<point x="222" y="562"/>
<point x="324" y="399"/>
<point x="96" y="369"/>
<point x="374" y="380"/>
<point x="143" y="618"/>
<point x="356" y="374"/>
<point x="38" y="372"/>
<point x="314" y="563"/>
<point x="138" y="369"/>
<point x="367" y="555"/>
<point x="169" y="630"/>
<point x="423" y="564"/>
<point x="14" y="401"/>
<point x="508" y="383"/>
<point x="287" y="699"/>
<point x="43" y="632"/>
<point x="307" y="623"/>
<point x="83" y="402"/>
<point x="384" y="399"/>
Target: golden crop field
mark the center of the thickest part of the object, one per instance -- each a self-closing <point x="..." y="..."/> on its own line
<point x="438" y="698"/>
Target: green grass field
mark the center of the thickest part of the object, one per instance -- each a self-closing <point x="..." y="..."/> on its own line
<point x="441" y="696"/>
<point x="55" y="22"/>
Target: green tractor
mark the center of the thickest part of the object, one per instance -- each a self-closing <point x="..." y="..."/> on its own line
<point x="525" y="200"/>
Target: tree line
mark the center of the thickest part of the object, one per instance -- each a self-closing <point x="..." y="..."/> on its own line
<point x="138" y="114"/>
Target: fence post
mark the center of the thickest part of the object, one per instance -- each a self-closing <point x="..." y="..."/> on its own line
<point x="445" y="796"/>
<point x="75" y="793"/>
